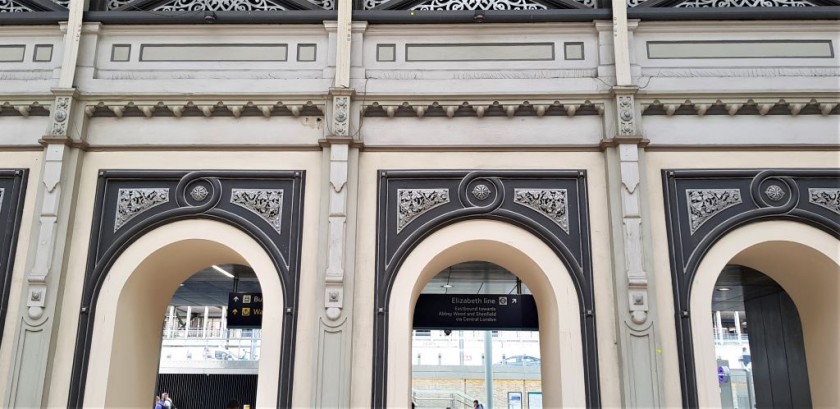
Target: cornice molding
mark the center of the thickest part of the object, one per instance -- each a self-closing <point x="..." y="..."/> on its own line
<point x="207" y="109"/>
<point x="481" y="109"/>
<point x="752" y="106"/>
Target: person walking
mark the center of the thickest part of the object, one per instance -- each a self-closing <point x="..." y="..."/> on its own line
<point x="167" y="401"/>
<point x="158" y="402"/>
<point x="477" y="405"/>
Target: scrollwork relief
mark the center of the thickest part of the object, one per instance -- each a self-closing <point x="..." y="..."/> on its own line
<point x="60" y="116"/>
<point x="132" y="202"/>
<point x="479" y="5"/>
<point x="552" y="203"/>
<point x="825" y="197"/>
<point x="411" y="203"/>
<point x="626" y="124"/>
<point x="743" y="3"/>
<point x="219" y="5"/>
<point x="11" y="6"/>
<point x="703" y="204"/>
<point x="265" y="203"/>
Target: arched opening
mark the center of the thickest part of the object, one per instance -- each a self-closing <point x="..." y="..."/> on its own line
<point x="210" y="343"/>
<point x="760" y="354"/>
<point x="803" y="261"/>
<point x="476" y="339"/>
<point x="126" y="346"/>
<point x="522" y="254"/>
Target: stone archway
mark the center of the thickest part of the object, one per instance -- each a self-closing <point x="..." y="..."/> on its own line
<point x="803" y="260"/>
<point x="126" y="336"/>
<point x="528" y="257"/>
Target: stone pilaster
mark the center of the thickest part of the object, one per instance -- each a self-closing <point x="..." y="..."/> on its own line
<point x="38" y="324"/>
<point x="638" y="343"/>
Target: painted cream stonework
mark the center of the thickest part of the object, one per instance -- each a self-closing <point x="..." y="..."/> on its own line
<point x="527" y="257"/>
<point x="32" y="161"/>
<point x="94" y="161"/>
<point x="806" y="262"/>
<point x="654" y="162"/>
<point x="370" y="162"/>
<point x="125" y="349"/>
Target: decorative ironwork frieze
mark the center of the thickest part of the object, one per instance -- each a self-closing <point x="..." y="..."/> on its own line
<point x="219" y="5"/>
<point x="479" y="5"/>
<point x="703" y="204"/>
<point x="133" y="202"/>
<point x="551" y="203"/>
<point x="413" y="203"/>
<point x="743" y="3"/>
<point x="11" y="6"/>
<point x="556" y="212"/>
<point x="266" y="203"/>
<point x="827" y="198"/>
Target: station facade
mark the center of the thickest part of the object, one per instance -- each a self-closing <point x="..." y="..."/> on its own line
<point x="615" y="157"/>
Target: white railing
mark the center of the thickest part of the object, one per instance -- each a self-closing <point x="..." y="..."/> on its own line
<point x="441" y="399"/>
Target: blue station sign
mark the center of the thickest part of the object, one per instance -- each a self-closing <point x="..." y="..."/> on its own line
<point x="482" y="311"/>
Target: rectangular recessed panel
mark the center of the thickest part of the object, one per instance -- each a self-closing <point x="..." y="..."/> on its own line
<point x="120" y="52"/>
<point x="43" y="53"/>
<point x="574" y="51"/>
<point x="12" y="53"/>
<point x="740" y="49"/>
<point x="480" y="52"/>
<point x="386" y="52"/>
<point x="213" y="52"/>
<point x="306" y="52"/>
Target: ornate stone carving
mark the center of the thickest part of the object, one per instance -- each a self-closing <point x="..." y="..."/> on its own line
<point x="552" y="203"/>
<point x="828" y="198"/>
<point x="266" y="203"/>
<point x="11" y="6"/>
<point x="479" y="5"/>
<point x="60" y="116"/>
<point x="626" y="114"/>
<point x="481" y="192"/>
<point x="341" y="116"/>
<point x="775" y="193"/>
<point x="411" y="203"/>
<point x="132" y="202"/>
<point x="703" y="204"/>
<point x="199" y="193"/>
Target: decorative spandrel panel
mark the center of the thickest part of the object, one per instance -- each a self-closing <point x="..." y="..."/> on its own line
<point x="12" y="191"/>
<point x="267" y="205"/>
<point x="703" y="205"/>
<point x="552" y="205"/>
<point x="23" y="6"/>
<point x="215" y="5"/>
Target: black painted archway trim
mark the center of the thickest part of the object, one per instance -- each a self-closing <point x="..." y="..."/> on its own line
<point x="13" y="184"/>
<point x="412" y="205"/>
<point x="193" y="195"/>
<point x="701" y="207"/>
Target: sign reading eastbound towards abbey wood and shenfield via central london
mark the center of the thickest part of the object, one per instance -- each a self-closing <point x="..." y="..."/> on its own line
<point x="476" y="311"/>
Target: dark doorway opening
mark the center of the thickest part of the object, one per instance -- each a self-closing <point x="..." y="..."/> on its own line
<point x="758" y="342"/>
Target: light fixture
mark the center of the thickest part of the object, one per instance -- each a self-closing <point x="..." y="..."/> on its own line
<point x="221" y="270"/>
<point x="446" y="286"/>
<point x="724" y="289"/>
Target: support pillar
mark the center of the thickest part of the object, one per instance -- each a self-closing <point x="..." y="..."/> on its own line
<point x="333" y="352"/>
<point x="637" y="338"/>
<point x="36" y="334"/>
